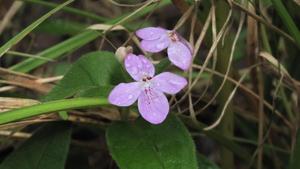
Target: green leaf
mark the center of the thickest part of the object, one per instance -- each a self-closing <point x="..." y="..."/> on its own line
<point x="28" y="29"/>
<point x="56" y="51"/>
<point x="141" y="145"/>
<point x="50" y="107"/>
<point x="46" y="149"/>
<point x="77" y="41"/>
<point x="91" y="70"/>
<point x="287" y="20"/>
<point x="204" y="163"/>
<point x="162" y="65"/>
<point x="99" y="91"/>
<point x="294" y="160"/>
<point x="71" y="10"/>
<point x="60" y="27"/>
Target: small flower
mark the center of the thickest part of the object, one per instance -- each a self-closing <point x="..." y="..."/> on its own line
<point x="156" y="39"/>
<point x="148" y="89"/>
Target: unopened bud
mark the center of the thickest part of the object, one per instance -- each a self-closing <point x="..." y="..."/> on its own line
<point x="122" y="52"/>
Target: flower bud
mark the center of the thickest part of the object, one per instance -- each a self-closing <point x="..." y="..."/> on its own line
<point x="122" y="52"/>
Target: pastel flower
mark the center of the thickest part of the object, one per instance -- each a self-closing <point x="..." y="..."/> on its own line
<point x="148" y="89"/>
<point x="156" y="39"/>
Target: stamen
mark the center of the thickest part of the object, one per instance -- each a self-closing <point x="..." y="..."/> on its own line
<point x="173" y="36"/>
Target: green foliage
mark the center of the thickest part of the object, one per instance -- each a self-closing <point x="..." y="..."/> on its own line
<point x="60" y="27"/>
<point x="204" y="163"/>
<point x="287" y="20"/>
<point x="294" y="161"/>
<point x="76" y="42"/>
<point x="56" y="51"/>
<point x="91" y="70"/>
<point x="162" y="65"/>
<point x="46" y="149"/>
<point x="28" y="29"/>
<point x="69" y="10"/>
<point x="136" y="145"/>
<point x="50" y="107"/>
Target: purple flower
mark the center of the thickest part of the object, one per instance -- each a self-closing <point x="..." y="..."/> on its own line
<point x="156" y="39"/>
<point x="148" y="89"/>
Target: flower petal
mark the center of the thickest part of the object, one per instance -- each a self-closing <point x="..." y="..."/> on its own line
<point x="125" y="94"/>
<point x="150" y="33"/>
<point x="156" y="45"/>
<point x="186" y="43"/>
<point x="169" y="82"/>
<point x="153" y="106"/>
<point x="180" y="55"/>
<point x="139" y="67"/>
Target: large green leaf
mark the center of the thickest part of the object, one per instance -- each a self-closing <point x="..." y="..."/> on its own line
<point x="46" y="149"/>
<point x="28" y="29"/>
<point x="92" y="70"/>
<point x="141" y="145"/>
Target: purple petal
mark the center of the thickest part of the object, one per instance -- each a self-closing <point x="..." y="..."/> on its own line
<point x="125" y="94"/>
<point x="156" y="45"/>
<point x="186" y="43"/>
<point x="180" y="55"/>
<point x="150" y="33"/>
<point x="169" y="82"/>
<point x="139" y="67"/>
<point x="153" y="106"/>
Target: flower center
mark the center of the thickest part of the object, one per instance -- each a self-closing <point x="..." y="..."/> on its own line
<point x="146" y="79"/>
<point x="173" y="36"/>
<point x="147" y="83"/>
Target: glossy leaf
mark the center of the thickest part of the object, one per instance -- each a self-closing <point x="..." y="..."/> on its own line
<point x="46" y="149"/>
<point x="139" y="144"/>
<point x="91" y="70"/>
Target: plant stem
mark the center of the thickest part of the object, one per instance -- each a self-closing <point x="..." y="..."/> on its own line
<point x="227" y="125"/>
<point x="49" y="107"/>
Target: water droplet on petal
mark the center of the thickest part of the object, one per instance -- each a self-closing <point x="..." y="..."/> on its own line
<point x="139" y="65"/>
<point x="144" y="61"/>
<point x="130" y="96"/>
<point x="159" y="45"/>
<point x="175" y="82"/>
<point x="134" y="70"/>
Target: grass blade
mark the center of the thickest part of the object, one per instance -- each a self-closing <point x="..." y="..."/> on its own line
<point x="49" y="107"/>
<point x="29" y="28"/>
<point x="287" y="20"/>
<point x="76" y="42"/>
<point x="69" y="9"/>
<point x="56" y="51"/>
